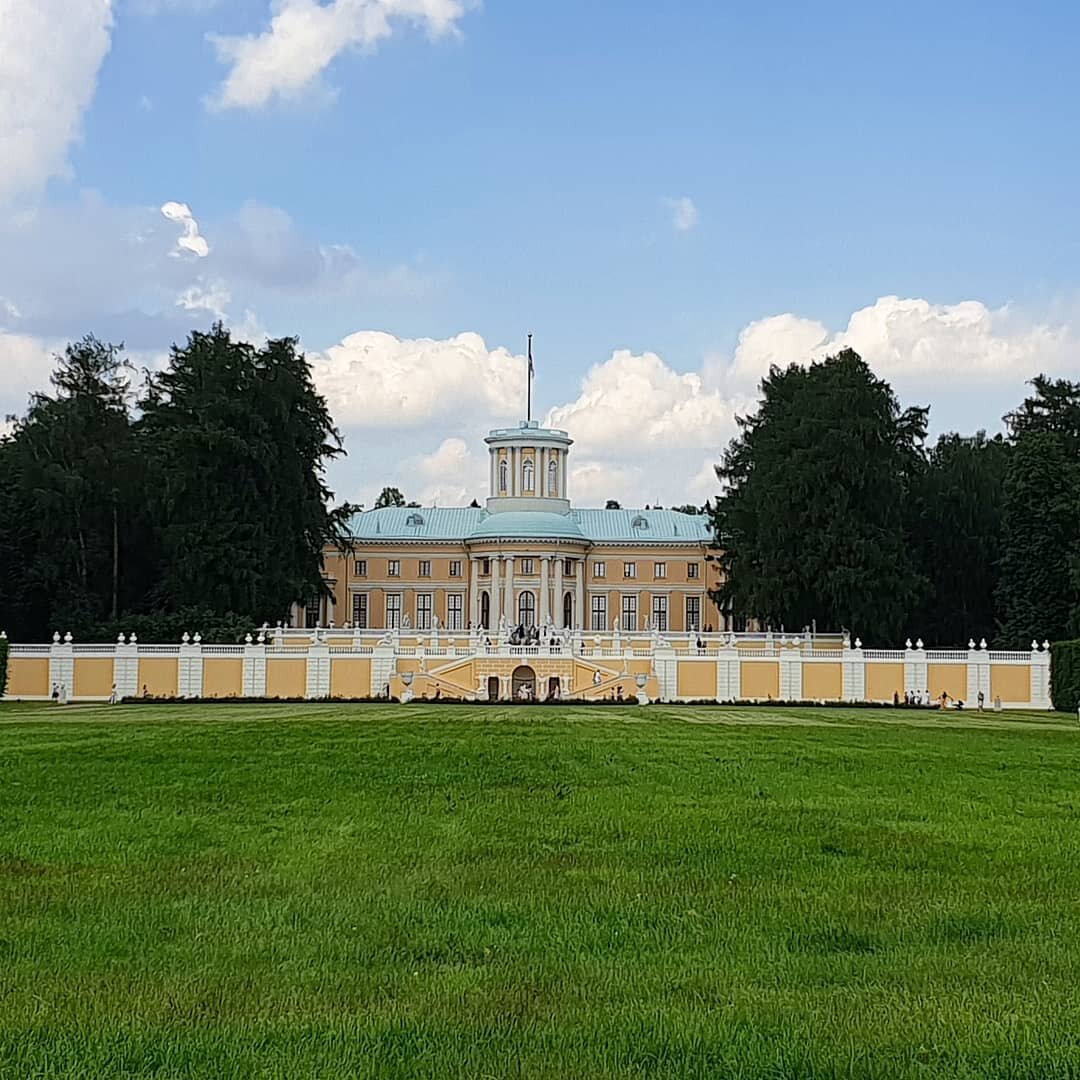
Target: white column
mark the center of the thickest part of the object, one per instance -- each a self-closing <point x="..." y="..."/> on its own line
<point x="541" y="479"/>
<point x="580" y="591"/>
<point x="558" y="620"/>
<point x="545" y="598"/>
<point x="473" y="615"/>
<point x="495" y="607"/>
<point x="508" y="596"/>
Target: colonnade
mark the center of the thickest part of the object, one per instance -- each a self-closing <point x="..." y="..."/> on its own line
<point x="505" y="585"/>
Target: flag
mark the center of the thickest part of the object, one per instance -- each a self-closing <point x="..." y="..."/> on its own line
<point x="531" y="372"/>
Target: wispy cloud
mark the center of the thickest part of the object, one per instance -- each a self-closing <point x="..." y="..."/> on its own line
<point x="684" y="214"/>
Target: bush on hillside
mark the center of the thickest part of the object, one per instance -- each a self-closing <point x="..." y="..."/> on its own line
<point x="1065" y="675"/>
<point x="168" y="629"/>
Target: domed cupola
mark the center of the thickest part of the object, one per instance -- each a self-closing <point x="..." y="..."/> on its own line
<point x="528" y="468"/>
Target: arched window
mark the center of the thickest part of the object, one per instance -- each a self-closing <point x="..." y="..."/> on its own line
<point x="568" y="611"/>
<point x="527" y="609"/>
<point x="503" y="475"/>
<point x="485" y="610"/>
<point x="553" y="478"/>
<point x="527" y="475"/>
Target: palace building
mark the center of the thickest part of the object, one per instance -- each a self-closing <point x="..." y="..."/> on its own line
<point x="528" y="558"/>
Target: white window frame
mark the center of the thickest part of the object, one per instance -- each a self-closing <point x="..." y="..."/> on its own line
<point x="423" y="568"/>
<point x="504" y="474"/>
<point x="629" y="570"/>
<point x="599" y="569"/>
<point x="629" y="611"/>
<point x="361" y="610"/>
<point x="693" y="623"/>
<point x="553" y="477"/>
<point x="360" y="568"/>
<point x="660" y="612"/>
<point x="693" y="571"/>
<point x="424" y="611"/>
<point x="393" y="568"/>
<point x="455" y="568"/>
<point x="598" y="612"/>
<point x="455" y="611"/>
<point x="528" y="475"/>
<point x="526" y="608"/>
<point x="393" y="611"/>
<point x="528" y="567"/>
<point x="659" y="571"/>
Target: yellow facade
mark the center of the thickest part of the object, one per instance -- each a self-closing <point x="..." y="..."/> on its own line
<point x="697" y="679"/>
<point x="93" y="678"/>
<point x="948" y="678"/>
<point x="28" y="677"/>
<point x="223" y="677"/>
<point x="1011" y="683"/>
<point x="883" y="681"/>
<point x="286" y="678"/>
<point x="759" y="679"/>
<point x="350" y="677"/>
<point x="823" y="681"/>
<point x="158" y="677"/>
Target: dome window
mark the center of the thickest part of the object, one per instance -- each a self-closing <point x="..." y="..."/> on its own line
<point x="414" y="519"/>
<point x="640" y="522"/>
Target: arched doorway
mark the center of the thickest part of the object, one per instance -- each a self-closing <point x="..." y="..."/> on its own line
<point x="485" y="610"/>
<point x="527" y="609"/>
<point x="523" y="679"/>
<point x="568" y="611"/>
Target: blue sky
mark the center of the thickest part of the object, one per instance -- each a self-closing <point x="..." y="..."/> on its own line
<point x="670" y="196"/>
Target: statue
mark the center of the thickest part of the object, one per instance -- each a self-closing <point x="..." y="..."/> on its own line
<point x="406" y="623"/>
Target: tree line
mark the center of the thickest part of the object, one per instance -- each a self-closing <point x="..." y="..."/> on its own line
<point x="834" y="510"/>
<point x="182" y="499"/>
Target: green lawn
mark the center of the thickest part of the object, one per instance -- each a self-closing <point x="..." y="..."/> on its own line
<point x="334" y="891"/>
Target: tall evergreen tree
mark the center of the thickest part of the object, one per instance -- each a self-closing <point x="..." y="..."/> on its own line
<point x="70" y="517"/>
<point x="810" y="518"/>
<point x="1038" y="594"/>
<point x="237" y="439"/>
<point x="955" y="513"/>
<point x="389" y="496"/>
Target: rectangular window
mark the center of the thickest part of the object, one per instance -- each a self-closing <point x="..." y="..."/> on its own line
<point x="629" y="569"/>
<point x="312" y="613"/>
<point x="599" y="569"/>
<point x="692" y="570"/>
<point x="568" y="568"/>
<point x="693" y="613"/>
<point x="425" y="568"/>
<point x="393" y="568"/>
<point x="455" y="619"/>
<point x="528" y="566"/>
<point x="629" y="612"/>
<point x="455" y="568"/>
<point x="599" y="612"/>
<point x="485" y="567"/>
<point x="659" y="613"/>
<point x="393" y="611"/>
<point x="361" y="567"/>
<point x="360" y="610"/>
<point x="659" y="570"/>
<point x="423" y="611"/>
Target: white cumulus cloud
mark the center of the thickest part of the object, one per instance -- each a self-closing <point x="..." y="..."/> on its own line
<point x="684" y="213"/>
<point x="375" y="380"/>
<point x="50" y="54"/>
<point x="213" y="296"/>
<point x="26" y="363"/>
<point x="305" y="37"/>
<point x="191" y="240"/>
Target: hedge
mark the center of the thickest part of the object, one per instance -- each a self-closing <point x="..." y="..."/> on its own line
<point x="3" y="665"/>
<point x="1065" y="675"/>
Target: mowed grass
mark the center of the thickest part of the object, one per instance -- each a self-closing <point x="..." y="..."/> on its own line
<point x="425" y="891"/>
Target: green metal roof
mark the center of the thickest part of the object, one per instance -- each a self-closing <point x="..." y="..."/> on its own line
<point x="461" y="524"/>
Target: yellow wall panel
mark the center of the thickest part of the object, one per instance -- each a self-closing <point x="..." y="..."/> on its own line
<point x="823" y="682"/>
<point x="286" y="678"/>
<point x="952" y="678"/>
<point x="159" y="677"/>
<point x="1010" y="682"/>
<point x="884" y="680"/>
<point x="350" y="677"/>
<point x="759" y="679"/>
<point x="223" y="677"/>
<point x="28" y="677"/>
<point x="697" y="679"/>
<point x="93" y="678"/>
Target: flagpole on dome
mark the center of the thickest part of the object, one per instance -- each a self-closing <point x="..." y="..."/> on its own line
<point x="528" y="399"/>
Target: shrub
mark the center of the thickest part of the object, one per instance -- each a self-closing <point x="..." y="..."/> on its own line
<point x="3" y="665"/>
<point x="1065" y="675"/>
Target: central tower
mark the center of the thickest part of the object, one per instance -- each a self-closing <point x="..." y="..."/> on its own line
<point x="528" y="468"/>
